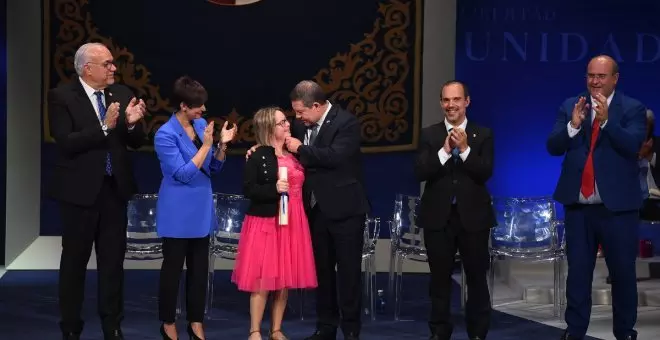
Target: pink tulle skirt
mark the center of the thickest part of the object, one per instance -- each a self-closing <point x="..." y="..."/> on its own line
<point x="273" y="257"/>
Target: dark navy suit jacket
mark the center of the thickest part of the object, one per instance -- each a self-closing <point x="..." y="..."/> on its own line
<point x="615" y="156"/>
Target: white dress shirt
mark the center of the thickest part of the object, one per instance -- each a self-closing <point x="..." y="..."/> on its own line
<point x="572" y="132"/>
<point x="442" y="154"/>
<point x="92" y="98"/>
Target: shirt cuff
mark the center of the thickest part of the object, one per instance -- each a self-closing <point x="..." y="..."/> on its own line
<point x="464" y="154"/>
<point x="602" y="125"/>
<point x="131" y="127"/>
<point x="572" y="131"/>
<point x="444" y="156"/>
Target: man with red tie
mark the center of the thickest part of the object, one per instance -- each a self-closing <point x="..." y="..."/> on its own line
<point x="599" y="133"/>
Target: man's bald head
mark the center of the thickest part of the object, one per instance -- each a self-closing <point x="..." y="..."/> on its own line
<point x="602" y="75"/>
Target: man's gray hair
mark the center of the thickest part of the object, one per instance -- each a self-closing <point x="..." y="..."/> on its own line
<point x="308" y="92"/>
<point x="82" y="56"/>
<point x="649" y="115"/>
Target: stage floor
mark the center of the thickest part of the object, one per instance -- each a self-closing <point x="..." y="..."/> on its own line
<point x="29" y="310"/>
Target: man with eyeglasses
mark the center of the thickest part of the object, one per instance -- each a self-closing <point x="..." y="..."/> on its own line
<point x="93" y="121"/>
<point x="600" y="133"/>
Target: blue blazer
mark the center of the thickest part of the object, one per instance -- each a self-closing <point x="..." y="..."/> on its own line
<point x="615" y="156"/>
<point x="185" y="206"/>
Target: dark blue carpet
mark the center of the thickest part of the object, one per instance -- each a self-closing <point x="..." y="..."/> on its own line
<point x="28" y="310"/>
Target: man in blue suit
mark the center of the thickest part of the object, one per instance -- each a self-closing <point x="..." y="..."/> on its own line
<point x="600" y="133"/>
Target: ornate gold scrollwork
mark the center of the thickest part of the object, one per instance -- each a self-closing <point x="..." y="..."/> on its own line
<point x="77" y="28"/>
<point x="370" y="80"/>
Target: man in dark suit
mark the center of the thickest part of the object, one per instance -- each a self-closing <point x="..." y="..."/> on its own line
<point x="93" y="121"/>
<point x="600" y="133"/>
<point x="326" y="139"/>
<point x="455" y="159"/>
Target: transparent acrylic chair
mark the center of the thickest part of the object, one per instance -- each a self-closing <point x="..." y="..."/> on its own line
<point x="230" y="211"/>
<point x="407" y="243"/>
<point x="528" y="231"/>
<point x="371" y="294"/>
<point x="142" y="241"/>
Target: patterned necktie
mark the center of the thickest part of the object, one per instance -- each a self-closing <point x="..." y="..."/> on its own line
<point x="588" y="176"/>
<point x="312" y="136"/>
<point x="102" y="112"/>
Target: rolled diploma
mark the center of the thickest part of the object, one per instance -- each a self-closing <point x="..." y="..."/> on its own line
<point x="284" y="200"/>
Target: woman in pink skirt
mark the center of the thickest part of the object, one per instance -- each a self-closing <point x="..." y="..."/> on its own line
<point x="273" y="257"/>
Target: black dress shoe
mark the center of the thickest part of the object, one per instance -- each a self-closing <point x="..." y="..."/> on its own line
<point x="567" y="336"/>
<point x="114" y="334"/>
<point x="71" y="336"/>
<point x="351" y="336"/>
<point x="323" y="335"/>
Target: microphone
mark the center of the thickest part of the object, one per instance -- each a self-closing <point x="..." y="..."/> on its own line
<point x="283" y="217"/>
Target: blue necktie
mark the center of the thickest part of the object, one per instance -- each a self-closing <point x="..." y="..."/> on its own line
<point x="454" y="155"/>
<point x="643" y="173"/>
<point x="99" y="101"/>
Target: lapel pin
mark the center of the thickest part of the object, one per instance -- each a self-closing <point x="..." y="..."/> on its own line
<point x="474" y="135"/>
<point x="110" y="94"/>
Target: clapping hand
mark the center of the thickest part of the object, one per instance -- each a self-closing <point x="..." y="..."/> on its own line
<point x="579" y="112"/>
<point x="111" y="115"/>
<point x="135" y="111"/>
<point x="226" y="134"/>
<point x="208" y="134"/>
<point x="459" y="138"/>
<point x="601" y="107"/>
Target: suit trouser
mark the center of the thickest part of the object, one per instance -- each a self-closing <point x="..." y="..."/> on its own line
<point x="103" y="225"/>
<point x="338" y="243"/>
<point x="195" y="252"/>
<point x="441" y="245"/>
<point x="586" y="226"/>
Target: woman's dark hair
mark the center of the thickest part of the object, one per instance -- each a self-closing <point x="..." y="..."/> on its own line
<point x="189" y="92"/>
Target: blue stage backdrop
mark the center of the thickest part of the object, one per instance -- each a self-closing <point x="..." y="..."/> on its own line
<point x="365" y="54"/>
<point x="521" y="59"/>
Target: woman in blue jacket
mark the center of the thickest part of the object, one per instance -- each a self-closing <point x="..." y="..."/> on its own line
<point x="186" y="216"/>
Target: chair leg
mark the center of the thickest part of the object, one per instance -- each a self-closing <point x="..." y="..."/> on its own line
<point x="397" y="287"/>
<point x="209" y="287"/>
<point x="556" y="310"/>
<point x="463" y="287"/>
<point x="491" y="280"/>
<point x="181" y="299"/>
<point x="373" y="292"/>
<point x="391" y="278"/>
<point x="366" y="288"/>
<point x="301" y="300"/>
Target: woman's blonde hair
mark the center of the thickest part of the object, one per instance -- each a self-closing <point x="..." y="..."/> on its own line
<point x="263" y="124"/>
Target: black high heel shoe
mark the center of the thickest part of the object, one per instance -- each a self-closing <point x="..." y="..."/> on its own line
<point x="163" y="333"/>
<point x="192" y="334"/>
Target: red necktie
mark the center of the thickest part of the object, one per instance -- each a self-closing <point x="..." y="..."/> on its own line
<point x="588" y="178"/>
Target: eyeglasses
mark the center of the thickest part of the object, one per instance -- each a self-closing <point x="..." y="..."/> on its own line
<point x="282" y="123"/>
<point x="105" y="64"/>
<point x="592" y="76"/>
